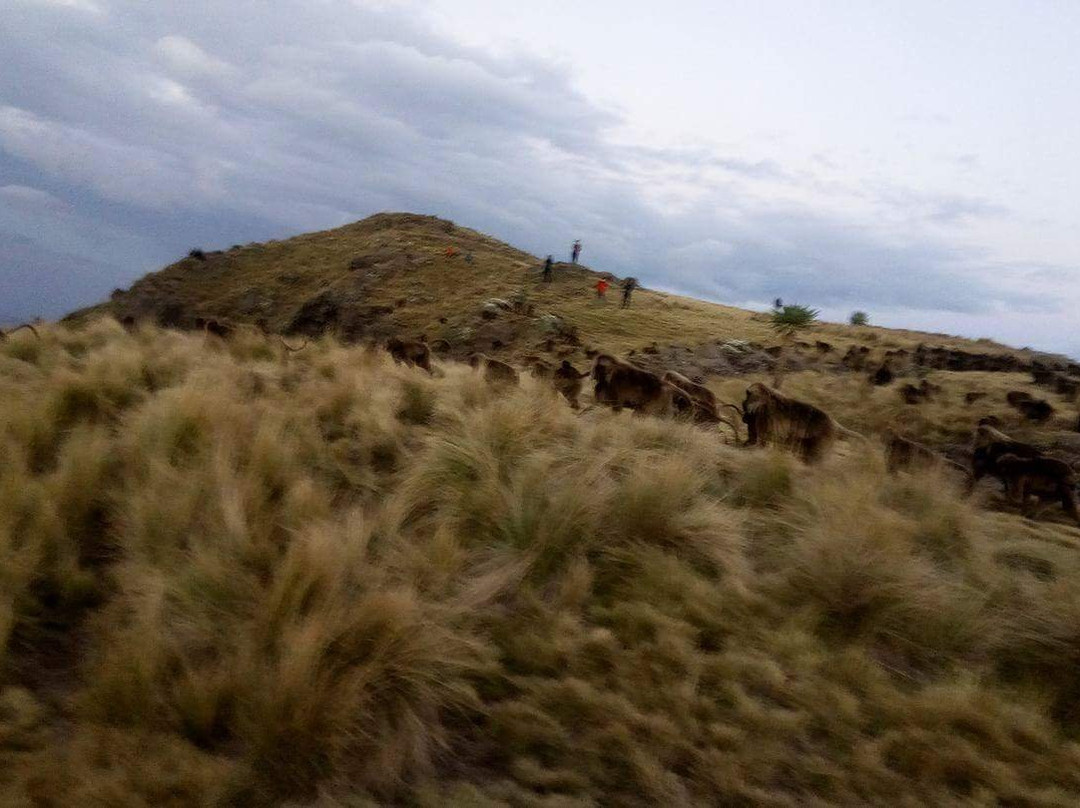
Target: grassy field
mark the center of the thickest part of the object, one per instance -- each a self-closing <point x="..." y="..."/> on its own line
<point x="235" y="575"/>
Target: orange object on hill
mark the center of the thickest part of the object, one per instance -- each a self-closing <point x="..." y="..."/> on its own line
<point x="601" y="287"/>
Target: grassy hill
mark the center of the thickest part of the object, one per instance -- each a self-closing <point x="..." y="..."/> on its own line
<point x="235" y="575"/>
<point x="390" y="275"/>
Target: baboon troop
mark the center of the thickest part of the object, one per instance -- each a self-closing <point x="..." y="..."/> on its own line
<point x="1028" y="475"/>
<point x="774" y="419"/>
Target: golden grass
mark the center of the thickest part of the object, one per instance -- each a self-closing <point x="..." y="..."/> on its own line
<point x="235" y="575"/>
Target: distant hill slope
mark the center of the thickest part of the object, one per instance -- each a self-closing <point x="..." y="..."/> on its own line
<point x="390" y="275"/>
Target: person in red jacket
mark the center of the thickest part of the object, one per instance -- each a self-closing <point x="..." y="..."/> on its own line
<point x="601" y="287"/>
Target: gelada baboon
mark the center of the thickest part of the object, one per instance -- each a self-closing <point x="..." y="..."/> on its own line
<point x="929" y="389"/>
<point x="905" y="454"/>
<point x="706" y="408"/>
<point x="540" y="368"/>
<point x="619" y="384"/>
<point x="775" y="419"/>
<point x="410" y="352"/>
<point x="1041" y="478"/>
<point x="1043" y="376"/>
<point x="567" y="380"/>
<point x="883" y="376"/>
<point x="217" y="328"/>
<point x="1036" y="410"/>
<point x="1017" y="397"/>
<point x="990" y="445"/>
<point x="911" y="394"/>
<point x="495" y="370"/>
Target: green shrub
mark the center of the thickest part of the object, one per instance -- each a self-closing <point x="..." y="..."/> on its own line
<point x="792" y="319"/>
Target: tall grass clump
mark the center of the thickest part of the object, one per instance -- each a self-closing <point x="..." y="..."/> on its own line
<point x="235" y="574"/>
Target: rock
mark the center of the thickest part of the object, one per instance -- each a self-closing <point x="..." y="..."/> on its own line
<point x="550" y="323"/>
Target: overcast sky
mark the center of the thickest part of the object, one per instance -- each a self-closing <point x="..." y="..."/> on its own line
<point x="917" y="160"/>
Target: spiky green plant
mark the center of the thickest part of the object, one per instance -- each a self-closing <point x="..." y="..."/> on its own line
<point x="789" y="320"/>
<point x="859" y="318"/>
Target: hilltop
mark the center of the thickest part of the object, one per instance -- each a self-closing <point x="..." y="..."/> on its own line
<point x="389" y="274"/>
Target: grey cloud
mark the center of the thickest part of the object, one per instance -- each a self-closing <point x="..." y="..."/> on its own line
<point x="208" y="123"/>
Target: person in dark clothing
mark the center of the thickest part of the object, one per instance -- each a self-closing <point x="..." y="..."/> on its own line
<point x="548" y="264"/>
<point x="575" y="251"/>
<point x="628" y="286"/>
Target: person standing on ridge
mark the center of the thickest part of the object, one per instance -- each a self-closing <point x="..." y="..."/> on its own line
<point x="548" y="264"/>
<point x="575" y="251"/>
<point x="628" y="286"/>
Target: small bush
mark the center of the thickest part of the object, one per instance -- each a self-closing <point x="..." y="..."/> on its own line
<point x="859" y="318"/>
<point x="197" y="254"/>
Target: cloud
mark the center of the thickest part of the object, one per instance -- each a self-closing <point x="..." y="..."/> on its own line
<point x="183" y="55"/>
<point x="79" y="5"/>
<point x="25" y="196"/>
<point x="210" y="123"/>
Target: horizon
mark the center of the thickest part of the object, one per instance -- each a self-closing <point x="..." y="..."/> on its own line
<point x="845" y="158"/>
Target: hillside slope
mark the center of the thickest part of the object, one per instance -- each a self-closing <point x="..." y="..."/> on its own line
<point x="231" y="574"/>
<point x="390" y="275"/>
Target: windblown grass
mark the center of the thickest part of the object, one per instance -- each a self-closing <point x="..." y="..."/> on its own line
<point x="231" y="574"/>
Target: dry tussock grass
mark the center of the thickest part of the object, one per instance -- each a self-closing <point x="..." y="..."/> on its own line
<point x="230" y="574"/>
